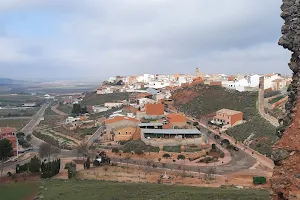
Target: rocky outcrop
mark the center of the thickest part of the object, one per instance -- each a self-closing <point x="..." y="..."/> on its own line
<point x="286" y="152"/>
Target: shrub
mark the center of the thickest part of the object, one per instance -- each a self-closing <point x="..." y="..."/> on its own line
<point x="166" y="155"/>
<point x="28" y="137"/>
<point x="122" y="142"/>
<point x="222" y="154"/>
<point x="195" y="123"/>
<point x="180" y="157"/>
<point x="115" y="150"/>
<point x="213" y="147"/>
<point x="217" y="137"/>
<point x="139" y="152"/>
<point x="34" y="164"/>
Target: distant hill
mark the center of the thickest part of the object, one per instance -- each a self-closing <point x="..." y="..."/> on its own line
<point x="201" y="100"/>
<point x="7" y="81"/>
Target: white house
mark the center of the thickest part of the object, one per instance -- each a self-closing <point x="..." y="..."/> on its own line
<point x="248" y="83"/>
<point x="98" y="109"/>
<point x="71" y="120"/>
<point x="111" y="79"/>
<point x="182" y="80"/>
<point x="158" y="84"/>
<point x="106" y="90"/>
<point x="148" y="78"/>
<point x="113" y="104"/>
<point x="143" y="101"/>
<point x="268" y="80"/>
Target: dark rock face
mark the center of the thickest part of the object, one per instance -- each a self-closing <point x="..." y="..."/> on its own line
<point x="285" y="180"/>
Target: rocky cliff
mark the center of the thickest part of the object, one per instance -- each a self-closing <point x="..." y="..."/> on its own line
<point x="286" y="152"/>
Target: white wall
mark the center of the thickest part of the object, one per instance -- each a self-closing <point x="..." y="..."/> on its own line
<point x="268" y="80"/>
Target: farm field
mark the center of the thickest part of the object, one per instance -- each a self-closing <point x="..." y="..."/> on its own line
<point x="18" y="190"/>
<point x="95" y="99"/>
<point x="92" y="189"/>
<point x="17" y="123"/>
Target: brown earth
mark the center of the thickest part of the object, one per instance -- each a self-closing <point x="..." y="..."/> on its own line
<point x="184" y="96"/>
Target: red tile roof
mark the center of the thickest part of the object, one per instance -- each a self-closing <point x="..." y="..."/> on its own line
<point x="120" y="118"/>
<point x="4" y="130"/>
<point x="176" y="117"/>
<point x="155" y="109"/>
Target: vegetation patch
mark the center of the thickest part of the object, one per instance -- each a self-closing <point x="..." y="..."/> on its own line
<point x="213" y="98"/>
<point x="138" y="146"/>
<point x="81" y="189"/>
<point x="274" y="100"/>
<point x="18" y="190"/>
<point x="100" y="99"/>
<point x="16" y="123"/>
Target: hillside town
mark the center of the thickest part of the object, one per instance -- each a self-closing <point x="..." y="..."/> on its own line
<point x="149" y="100"/>
<point x="146" y="119"/>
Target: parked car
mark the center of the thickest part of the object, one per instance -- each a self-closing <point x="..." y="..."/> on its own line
<point x="236" y="148"/>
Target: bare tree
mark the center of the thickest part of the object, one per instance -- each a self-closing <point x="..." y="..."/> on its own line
<point x="148" y="167"/>
<point x="199" y="171"/>
<point x="105" y="168"/>
<point x="82" y="149"/>
<point x="127" y="158"/>
<point x="46" y="150"/>
<point x="210" y="173"/>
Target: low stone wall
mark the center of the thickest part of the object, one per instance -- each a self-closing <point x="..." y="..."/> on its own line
<point x="171" y="142"/>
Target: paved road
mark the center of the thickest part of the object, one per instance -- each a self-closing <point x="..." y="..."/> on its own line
<point x="14" y="118"/>
<point x="54" y="109"/>
<point x="96" y="135"/>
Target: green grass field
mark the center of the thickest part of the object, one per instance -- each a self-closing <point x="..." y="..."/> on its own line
<point x="49" y="111"/>
<point x="17" y="191"/>
<point x="105" y="190"/>
<point x="95" y="99"/>
<point x="18" y="112"/>
<point x="17" y="123"/>
<point x="66" y="109"/>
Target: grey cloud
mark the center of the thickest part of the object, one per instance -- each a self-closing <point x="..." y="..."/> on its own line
<point x="158" y="36"/>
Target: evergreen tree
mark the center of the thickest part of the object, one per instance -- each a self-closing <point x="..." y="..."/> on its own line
<point x="5" y="149"/>
<point x="35" y="164"/>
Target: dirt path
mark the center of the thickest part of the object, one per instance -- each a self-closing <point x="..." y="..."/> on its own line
<point x="54" y="109"/>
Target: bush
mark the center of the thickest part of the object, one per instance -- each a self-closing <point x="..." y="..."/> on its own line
<point x="122" y="142"/>
<point x="21" y="168"/>
<point x="195" y="123"/>
<point x="217" y="137"/>
<point x="166" y="155"/>
<point x="138" y="152"/>
<point x="50" y="169"/>
<point x="172" y="149"/>
<point x="34" y="164"/>
<point x="207" y="159"/>
<point x="222" y="154"/>
<point x="136" y="145"/>
<point x="180" y="157"/>
<point x="28" y="137"/>
<point x="20" y="135"/>
<point x="115" y="150"/>
<point x="213" y="147"/>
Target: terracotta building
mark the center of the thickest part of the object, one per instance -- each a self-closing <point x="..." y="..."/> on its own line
<point x="126" y="133"/>
<point x="176" y="119"/>
<point x="10" y="134"/>
<point x="228" y="117"/>
<point x="119" y="122"/>
<point x="155" y="109"/>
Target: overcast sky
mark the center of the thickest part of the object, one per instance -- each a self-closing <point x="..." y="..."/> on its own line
<point x="99" y="38"/>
